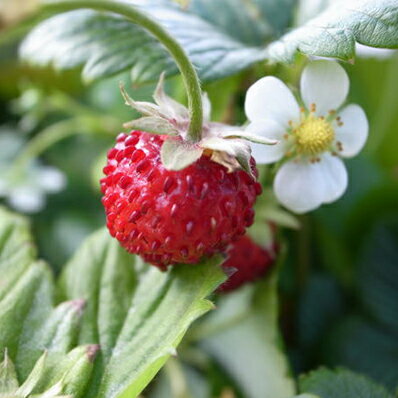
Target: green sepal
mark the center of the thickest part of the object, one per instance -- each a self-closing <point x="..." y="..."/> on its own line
<point x="242" y="134"/>
<point x="160" y="118"/>
<point x="177" y="154"/>
<point x="231" y="153"/>
<point x="169" y="106"/>
<point x="152" y="124"/>
<point x="145" y="108"/>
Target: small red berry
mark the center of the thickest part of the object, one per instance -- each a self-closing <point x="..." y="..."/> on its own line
<point x="173" y="216"/>
<point x="248" y="261"/>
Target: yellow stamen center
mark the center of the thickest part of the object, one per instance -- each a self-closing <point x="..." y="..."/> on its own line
<point x="313" y="136"/>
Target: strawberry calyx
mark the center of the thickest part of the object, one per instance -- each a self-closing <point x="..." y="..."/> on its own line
<point x="224" y="144"/>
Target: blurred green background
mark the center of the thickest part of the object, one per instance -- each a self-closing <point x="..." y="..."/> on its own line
<point x="339" y="286"/>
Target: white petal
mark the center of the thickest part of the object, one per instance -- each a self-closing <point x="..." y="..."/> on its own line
<point x="335" y="177"/>
<point x="363" y="51"/>
<point x="27" y="199"/>
<point x="270" y="98"/>
<point x="354" y="131"/>
<point x="299" y="186"/>
<point x="51" y="179"/>
<point x="264" y="154"/>
<point x="325" y="84"/>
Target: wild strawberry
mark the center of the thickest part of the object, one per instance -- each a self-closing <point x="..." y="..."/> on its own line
<point x="171" y="216"/>
<point x="174" y="197"/>
<point x="248" y="261"/>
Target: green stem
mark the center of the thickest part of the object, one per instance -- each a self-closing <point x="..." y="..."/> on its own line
<point x="304" y="247"/>
<point x="177" y="379"/>
<point x="67" y="104"/>
<point x="185" y="66"/>
<point x="57" y="132"/>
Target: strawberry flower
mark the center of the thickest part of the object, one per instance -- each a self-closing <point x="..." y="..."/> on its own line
<point x="311" y="139"/>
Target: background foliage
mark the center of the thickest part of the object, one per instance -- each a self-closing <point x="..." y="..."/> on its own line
<point x="338" y="289"/>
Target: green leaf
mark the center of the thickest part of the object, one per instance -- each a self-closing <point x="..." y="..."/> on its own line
<point x="8" y="376"/>
<point x="221" y="37"/>
<point x="103" y="44"/>
<point x="136" y="313"/>
<point x="56" y="335"/>
<point x="136" y="359"/>
<point x="177" y="154"/>
<point x="253" y="23"/>
<point x="334" y="32"/>
<point x="378" y="275"/>
<point x="243" y="337"/>
<point x="28" y="301"/>
<point x="364" y="347"/>
<point x="102" y="274"/>
<point x="366" y="341"/>
<point x="34" y="378"/>
<point x="16" y="250"/>
<point x="321" y="305"/>
<point x="73" y="372"/>
<point x="341" y="383"/>
<point x="120" y="314"/>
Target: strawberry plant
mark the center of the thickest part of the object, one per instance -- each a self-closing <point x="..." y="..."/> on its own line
<point x="191" y="229"/>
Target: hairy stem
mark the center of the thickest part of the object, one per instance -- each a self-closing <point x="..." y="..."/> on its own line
<point x="185" y="66"/>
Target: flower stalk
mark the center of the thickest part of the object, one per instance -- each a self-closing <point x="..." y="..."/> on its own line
<point x="188" y="72"/>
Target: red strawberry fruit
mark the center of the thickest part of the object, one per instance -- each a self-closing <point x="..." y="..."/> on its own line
<point x="247" y="261"/>
<point x="169" y="216"/>
<point x="172" y="195"/>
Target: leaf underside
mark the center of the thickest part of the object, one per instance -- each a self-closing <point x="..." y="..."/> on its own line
<point x="334" y="32"/>
<point x="221" y="37"/>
